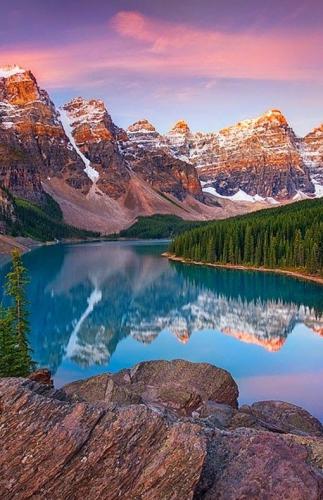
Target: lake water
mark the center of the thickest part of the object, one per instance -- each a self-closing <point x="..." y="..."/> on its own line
<point x="106" y="306"/>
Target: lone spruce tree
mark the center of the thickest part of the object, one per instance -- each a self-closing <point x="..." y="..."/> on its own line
<point x="14" y="325"/>
<point x="8" y="344"/>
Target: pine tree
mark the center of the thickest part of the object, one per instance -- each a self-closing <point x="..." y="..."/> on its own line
<point x="210" y="253"/>
<point x="312" y="265"/>
<point x="286" y="237"/>
<point x="18" y="315"/>
<point x="248" y="246"/>
<point x="9" y="347"/>
<point x="7" y="344"/>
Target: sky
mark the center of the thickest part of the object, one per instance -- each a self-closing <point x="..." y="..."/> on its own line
<point x="210" y="62"/>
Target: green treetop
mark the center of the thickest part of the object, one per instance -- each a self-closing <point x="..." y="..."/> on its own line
<point x="14" y="324"/>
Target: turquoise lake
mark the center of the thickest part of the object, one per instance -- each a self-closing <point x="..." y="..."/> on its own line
<point x="105" y="306"/>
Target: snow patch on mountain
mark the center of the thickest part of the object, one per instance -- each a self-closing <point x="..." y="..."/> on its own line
<point x="88" y="111"/>
<point x="236" y="151"/>
<point x="67" y="125"/>
<point x="318" y="189"/>
<point x="240" y="195"/>
<point x="7" y="71"/>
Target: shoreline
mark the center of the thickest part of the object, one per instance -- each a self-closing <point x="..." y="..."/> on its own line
<point x="25" y="245"/>
<point x="239" y="267"/>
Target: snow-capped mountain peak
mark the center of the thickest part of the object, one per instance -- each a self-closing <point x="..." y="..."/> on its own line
<point x="10" y="70"/>
<point x="141" y="126"/>
<point x="258" y="159"/>
<point x="180" y="127"/>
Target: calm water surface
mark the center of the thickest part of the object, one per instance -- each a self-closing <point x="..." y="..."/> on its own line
<point x="106" y="306"/>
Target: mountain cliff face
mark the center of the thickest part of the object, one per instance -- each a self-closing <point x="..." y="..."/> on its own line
<point x="150" y="156"/>
<point x="312" y="150"/>
<point x="7" y="211"/>
<point x="115" y="159"/>
<point x="33" y="144"/>
<point x="80" y="157"/>
<point x="96" y="138"/>
<point x="252" y="160"/>
<point x="163" y="172"/>
<point x="104" y="177"/>
<point x="259" y="157"/>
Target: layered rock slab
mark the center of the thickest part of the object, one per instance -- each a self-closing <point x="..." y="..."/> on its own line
<point x="180" y="386"/>
<point x="257" y="465"/>
<point x="57" y="445"/>
<point x="284" y="418"/>
<point x="53" y="448"/>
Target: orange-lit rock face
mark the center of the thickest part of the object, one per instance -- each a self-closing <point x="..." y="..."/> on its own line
<point x="180" y="127"/>
<point x="90" y="121"/>
<point x="313" y="153"/>
<point x="272" y="345"/>
<point x="19" y="89"/>
<point x="115" y="157"/>
<point x="34" y="144"/>
<point x="189" y="181"/>
<point x="141" y="126"/>
<point x="85" y="134"/>
<point x="97" y="137"/>
<point x="40" y="129"/>
<point x="166" y="174"/>
<point x="260" y="157"/>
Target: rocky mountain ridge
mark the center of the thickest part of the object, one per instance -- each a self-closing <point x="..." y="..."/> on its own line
<point x="254" y="160"/>
<point x="75" y="154"/>
<point x="33" y="144"/>
<point x="103" y="177"/>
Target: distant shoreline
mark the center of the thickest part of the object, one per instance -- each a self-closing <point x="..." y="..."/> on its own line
<point x="25" y="245"/>
<point x="293" y="274"/>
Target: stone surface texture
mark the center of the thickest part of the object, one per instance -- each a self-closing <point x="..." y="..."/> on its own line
<point x="138" y="434"/>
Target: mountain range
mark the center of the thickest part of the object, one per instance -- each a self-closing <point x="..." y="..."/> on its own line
<point x="104" y="177"/>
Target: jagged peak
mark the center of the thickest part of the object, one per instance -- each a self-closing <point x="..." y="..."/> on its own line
<point x="11" y="70"/>
<point x="274" y="114"/>
<point x="180" y="127"/>
<point x="316" y="131"/>
<point x="81" y="109"/>
<point x="271" y="116"/>
<point x="90" y="115"/>
<point x="141" y="126"/>
<point x="82" y="102"/>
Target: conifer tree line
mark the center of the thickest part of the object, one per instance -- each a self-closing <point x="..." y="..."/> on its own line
<point x="15" y="354"/>
<point x="289" y="237"/>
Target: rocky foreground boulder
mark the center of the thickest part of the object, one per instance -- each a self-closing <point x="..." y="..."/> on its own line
<point x="162" y="430"/>
<point x="179" y="386"/>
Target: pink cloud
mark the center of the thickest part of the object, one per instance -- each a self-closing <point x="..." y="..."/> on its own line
<point x="250" y="54"/>
<point x="137" y="44"/>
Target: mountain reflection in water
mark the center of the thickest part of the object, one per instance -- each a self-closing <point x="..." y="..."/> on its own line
<point x="89" y="300"/>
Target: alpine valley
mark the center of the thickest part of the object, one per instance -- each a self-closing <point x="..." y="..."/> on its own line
<point x="100" y="178"/>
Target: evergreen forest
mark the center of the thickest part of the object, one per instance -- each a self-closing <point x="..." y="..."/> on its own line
<point x="288" y="237"/>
